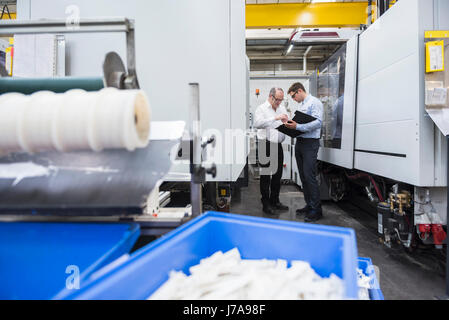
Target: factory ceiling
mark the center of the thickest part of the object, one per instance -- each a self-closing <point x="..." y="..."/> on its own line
<point x="268" y="48"/>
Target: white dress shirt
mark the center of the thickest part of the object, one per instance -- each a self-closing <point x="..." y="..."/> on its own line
<point x="313" y="107"/>
<point x="264" y="121"/>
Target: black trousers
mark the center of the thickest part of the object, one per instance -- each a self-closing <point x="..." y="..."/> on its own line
<point x="271" y="161"/>
<point x="306" y="152"/>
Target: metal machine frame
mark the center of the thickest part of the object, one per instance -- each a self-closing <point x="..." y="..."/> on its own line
<point x="128" y="81"/>
<point x="145" y="167"/>
<point x="213" y="57"/>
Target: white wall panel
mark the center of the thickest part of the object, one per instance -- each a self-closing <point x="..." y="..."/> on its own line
<point x="391" y="94"/>
<point x="384" y="166"/>
<point x="374" y="139"/>
<point x="390" y="108"/>
<point x="390" y="39"/>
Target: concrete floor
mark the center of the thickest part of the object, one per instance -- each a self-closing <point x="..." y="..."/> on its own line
<point x="403" y="276"/>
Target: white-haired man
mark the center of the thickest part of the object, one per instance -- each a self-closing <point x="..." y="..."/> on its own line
<point x="267" y="118"/>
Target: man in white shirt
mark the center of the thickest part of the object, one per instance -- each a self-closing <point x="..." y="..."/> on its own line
<point x="267" y="118"/>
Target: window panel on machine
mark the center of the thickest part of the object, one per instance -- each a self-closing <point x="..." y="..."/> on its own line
<point x="331" y="85"/>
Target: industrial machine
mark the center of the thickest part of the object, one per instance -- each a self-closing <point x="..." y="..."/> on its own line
<point x="107" y="186"/>
<point x="84" y="195"/>
<point x="176" y="44"/>
<point x="379" y="134"/>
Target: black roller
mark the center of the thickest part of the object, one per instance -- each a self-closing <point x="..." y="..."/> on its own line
<point x="57" y="85"/>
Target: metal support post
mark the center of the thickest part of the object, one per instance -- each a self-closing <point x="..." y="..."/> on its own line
<point x="195" y="154"/>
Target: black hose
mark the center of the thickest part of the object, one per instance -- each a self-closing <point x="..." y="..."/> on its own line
<point x="384" y="185"/>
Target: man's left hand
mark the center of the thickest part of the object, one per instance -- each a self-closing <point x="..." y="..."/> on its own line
<point x="290" y="124"/>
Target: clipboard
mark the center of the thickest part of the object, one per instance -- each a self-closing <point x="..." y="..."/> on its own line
<point x="300" y="118"/>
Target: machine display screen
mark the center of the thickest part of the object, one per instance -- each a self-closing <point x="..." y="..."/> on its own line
<point x="330" y="90"/>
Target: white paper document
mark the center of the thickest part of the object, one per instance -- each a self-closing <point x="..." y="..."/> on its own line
<point x="436" y="94"/>
<point x="436" y="57"/>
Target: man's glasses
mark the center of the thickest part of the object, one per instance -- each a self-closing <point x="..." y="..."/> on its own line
<point x="278" y="100"/>
<point x="293" y="95"/>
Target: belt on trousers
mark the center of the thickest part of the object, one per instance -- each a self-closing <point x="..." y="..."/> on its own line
<point x="266" y="140"/>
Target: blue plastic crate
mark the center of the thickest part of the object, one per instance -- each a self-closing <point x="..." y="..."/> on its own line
<point x="366" y="265"/>
<point x="34" y="256"/>
<point x="327" y="249"/>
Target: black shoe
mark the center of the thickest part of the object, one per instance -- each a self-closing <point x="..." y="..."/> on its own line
<point x="313" y="216"/>
<point x="269" y="210"/>
<point x="279" y="206"/>
<point x="302" y="211"/>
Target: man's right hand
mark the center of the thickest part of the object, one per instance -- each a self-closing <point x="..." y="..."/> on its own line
<point x="282" y="117"/>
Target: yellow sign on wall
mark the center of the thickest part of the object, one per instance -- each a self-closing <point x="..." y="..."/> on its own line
<point x="435" y="56"/>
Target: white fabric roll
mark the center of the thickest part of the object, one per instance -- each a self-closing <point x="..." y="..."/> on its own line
<point x="12" y="108"/>
<point x="127" y="126"/>
<point x="38" y="121"/>
<point x="74" y="124"/>
<point x="75" y="120"/>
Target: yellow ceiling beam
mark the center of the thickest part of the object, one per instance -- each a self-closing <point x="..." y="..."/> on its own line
<point x="306" y="15"/>
<point x="436" y="34"/>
